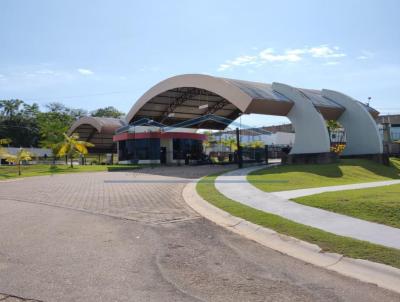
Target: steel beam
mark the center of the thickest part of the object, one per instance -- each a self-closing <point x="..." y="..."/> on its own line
<point x="187" y="95"/>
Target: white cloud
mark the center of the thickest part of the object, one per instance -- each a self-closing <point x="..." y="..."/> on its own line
<point x="324" y="51"/>
<point x="223" y="67"/>
<point x="269" y="55"/>
<point x="239" y="61"/>
<point x="244" y="60"/>
<point x="296" y="51"/>
<point x="85" y="71"/>
<point x="332" y="63"/>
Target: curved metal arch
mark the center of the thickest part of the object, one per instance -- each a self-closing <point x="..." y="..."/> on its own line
<point x="362" y="133"/>
<point x="219" y="86"/>
<point x="101" y="124"/>
<point x="310" y="128"/>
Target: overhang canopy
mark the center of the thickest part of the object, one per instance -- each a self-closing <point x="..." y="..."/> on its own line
<point x="98" y="131"/>
<point x="189" y="96"/>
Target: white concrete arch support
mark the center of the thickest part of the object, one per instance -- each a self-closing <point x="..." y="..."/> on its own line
<point x="362" y="133"/>
<point x="311" y="132"/>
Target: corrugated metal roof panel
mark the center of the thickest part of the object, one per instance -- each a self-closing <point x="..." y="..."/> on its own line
<point x="258" y="90"/>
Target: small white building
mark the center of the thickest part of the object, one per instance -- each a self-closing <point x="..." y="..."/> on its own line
<point x="35" y="152"/>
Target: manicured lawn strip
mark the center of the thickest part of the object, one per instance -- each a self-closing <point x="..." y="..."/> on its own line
<point x="327" y="241"/>
<point x="381" y="204"/>
<point x="347" y="171"/>
<point x="7" y="172"/>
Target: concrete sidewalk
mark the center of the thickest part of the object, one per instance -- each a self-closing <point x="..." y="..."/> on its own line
<point x="234" y="186"/>
<point x="311" y="191"/>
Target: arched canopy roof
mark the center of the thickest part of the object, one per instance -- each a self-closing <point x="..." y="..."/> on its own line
<point x="98" y="131"/>
<point x="189" y="96"/>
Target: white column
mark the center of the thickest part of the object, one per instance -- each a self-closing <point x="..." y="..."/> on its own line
<point x="362" y="133"/>
<point x="311" y="131"/>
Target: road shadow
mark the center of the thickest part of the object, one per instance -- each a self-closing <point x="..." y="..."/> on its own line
<point x="187" y="172"/>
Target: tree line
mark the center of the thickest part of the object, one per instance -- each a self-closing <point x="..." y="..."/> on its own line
<point x="26" y="125"/>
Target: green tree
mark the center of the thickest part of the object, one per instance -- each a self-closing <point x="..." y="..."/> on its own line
<point x="209" y="140"/>
<point x="53" y="123"/>
<point x="230" y="142"/>
<point x="257" y="144"/>
<point x="9" y="108"/>
<point x="72" y="146"/>
<point x="3" y="151"/>
<point x="4" y="141"/>
<point x="22" y="155"/>
<point x="18" y="122"/>
<point x="108" y="112"/>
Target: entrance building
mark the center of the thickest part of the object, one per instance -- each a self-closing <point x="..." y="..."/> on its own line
<point x="177" y="101"/>
<point x="148" y="144"/>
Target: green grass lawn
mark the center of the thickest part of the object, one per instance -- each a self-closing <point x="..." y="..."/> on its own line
<point x="381" y="205"/>
<point x="327" y="241"/>
<point x="7" y="172"/>
<point x="347" y="171"/>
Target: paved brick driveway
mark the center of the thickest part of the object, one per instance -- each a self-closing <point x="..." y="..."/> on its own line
<point x="50" y="253"/>
<point x="150" y="195"/>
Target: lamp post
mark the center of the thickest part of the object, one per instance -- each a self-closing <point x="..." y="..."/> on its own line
<point x="239" y="149"/>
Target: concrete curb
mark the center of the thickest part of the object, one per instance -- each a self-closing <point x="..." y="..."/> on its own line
<point x="382" y="275"/>
<point x="10" y="180"/>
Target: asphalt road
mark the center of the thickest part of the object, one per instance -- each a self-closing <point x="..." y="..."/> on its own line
<point x="51" y="250"/>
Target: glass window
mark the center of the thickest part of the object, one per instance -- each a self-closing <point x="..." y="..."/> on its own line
<point x="148" y="148"/>
<point x="187" y="147"/>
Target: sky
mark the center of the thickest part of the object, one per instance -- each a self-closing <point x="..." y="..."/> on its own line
<point x="91" y="54"/>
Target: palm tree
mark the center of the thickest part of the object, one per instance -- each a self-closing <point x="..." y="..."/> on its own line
<point x="55" y="147"/>
<point x="206" y="145"/>
<point x="10" y="107"/>
<point x="208" y="141"/>
<point x="257" y="144"/>
<point x="21" y="155"/>
<point x="5" y="141"/>
<point x="3" y="151"/>
<point x="73" y="145"/>
<point x="230" y="142"/>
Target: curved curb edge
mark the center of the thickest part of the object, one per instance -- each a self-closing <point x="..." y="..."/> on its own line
<point x="382" y="275"/>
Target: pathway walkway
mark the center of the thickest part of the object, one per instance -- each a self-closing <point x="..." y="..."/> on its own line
<point x="235" y="186"/>
<point x="311" y="191"/>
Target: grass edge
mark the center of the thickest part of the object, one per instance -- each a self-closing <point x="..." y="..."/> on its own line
<point x="328" y="242"/>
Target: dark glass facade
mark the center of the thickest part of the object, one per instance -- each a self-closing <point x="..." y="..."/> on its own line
<point x="187" y="147"/>
<point x="137" y="149"/>
<point x="149" y="149"/>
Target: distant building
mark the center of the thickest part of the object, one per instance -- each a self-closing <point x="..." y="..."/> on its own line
<point x="393" y="122"/>
<point x="389" y="129"/>
<point x="279" y="135"/>
<point x="36" y="152"/>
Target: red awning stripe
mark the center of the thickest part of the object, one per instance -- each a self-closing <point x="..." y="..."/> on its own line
<point x="143" y="135"/>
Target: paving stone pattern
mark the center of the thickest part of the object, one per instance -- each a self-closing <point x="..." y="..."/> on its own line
<point x="147" y="195"/>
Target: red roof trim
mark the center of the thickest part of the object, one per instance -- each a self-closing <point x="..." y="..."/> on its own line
<point x="142" y="135"/>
